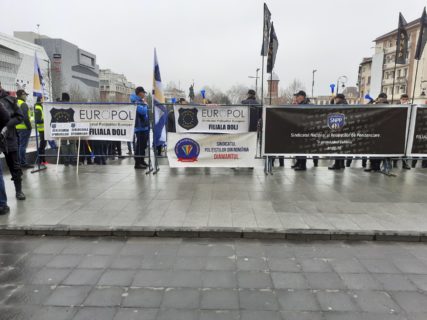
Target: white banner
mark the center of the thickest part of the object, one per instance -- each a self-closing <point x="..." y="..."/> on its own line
<point x="90" y="121"/>
<point x="212" y="150"/>
<point x="211" y="119"/>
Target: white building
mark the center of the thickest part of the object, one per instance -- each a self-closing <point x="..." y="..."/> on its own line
<point x="17" y="65"/>
<point x="114" y="87"/>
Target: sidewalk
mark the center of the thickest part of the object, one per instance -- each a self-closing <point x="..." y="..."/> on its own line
<point x="316" y="204"/>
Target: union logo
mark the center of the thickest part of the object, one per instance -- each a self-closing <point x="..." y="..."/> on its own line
<point x="336" y="121"/>
<point x="188" y="118"/>
<point x="187" y="150"/>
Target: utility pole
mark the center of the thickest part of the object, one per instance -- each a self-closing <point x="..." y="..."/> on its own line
<point x="256" y="80"/>
<point x="312" y="84"/>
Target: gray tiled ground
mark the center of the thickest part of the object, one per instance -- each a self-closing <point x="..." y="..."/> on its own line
<point x="311" y="281"/>
<point x="117" y="196"/>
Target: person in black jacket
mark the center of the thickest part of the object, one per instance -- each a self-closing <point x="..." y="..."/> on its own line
<point x="301" y="163"/>
<point x="4" y="119"/>
<point x="11" y="144"/>
<point x="339" y="162"/>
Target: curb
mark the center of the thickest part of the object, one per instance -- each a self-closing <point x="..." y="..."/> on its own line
<point x="225" y="233"/>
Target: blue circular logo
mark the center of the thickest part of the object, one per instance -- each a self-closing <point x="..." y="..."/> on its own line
<point x="187" y="150"/>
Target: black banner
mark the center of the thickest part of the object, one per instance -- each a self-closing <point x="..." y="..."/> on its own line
<point x="419" y="133"/>
<point x="335" y="130"/>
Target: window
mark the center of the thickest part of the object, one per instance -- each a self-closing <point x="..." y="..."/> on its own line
<point x="398" y="73"/>
<point x="369" y="80"/>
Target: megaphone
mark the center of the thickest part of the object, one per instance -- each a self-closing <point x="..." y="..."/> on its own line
<point x="332" y="85"/>
<point x="173" y="100"/>
<point x="203" y="93"/>
<point x="368" y="97"/>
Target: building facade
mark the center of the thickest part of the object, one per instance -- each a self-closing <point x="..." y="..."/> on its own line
<point x="73" y="70"/>
<point x="272" y="90"/>
<point x="17" y="65"/>
<point x="364" y="78"/>
<point x="385" y="74"/>
<point x="114" y="87"/>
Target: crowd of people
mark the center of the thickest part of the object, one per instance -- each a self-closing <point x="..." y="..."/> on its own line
<point x="16" y="124"/>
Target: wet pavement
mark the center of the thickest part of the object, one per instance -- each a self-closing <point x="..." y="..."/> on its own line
<point x="170" y="279"/>
<point x="117" y="196"/>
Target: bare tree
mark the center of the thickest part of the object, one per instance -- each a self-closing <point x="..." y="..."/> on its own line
<point x="237" y="93"/>
<point x="286" y="95"/>
<point x="76" y="94"/>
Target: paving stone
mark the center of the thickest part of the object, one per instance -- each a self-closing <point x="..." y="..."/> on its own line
<point x="158" y="262"/>
<point x="251" y="264"/>
<point x="347" y="266"/>
<point x="297" y="300"/>
<point x="104" y="297"/>
<point x="256" y="315"/>
<point x="357" y="281"/>
<point x="336" y="301"/>
<point x="89" y="313"/>
<point x="292" y="315"/>
<point x="95" y="262"/>
<point x="219" y="279"/>
<point x="127" y="262"/>
<point x="379" y="266"/>
<point x="282" y="280"/>
<point x="68" y="296"/>
<point x="258" y="300"/>
<point x="221" y="263"/>
<point x="29" y="295"/>
<point x="315" y="265"/>
<point x="117" y="278"/>
<point x="411" y="301"/>
<point x="143" y="298"/>
<point x="136" y="314"/>
<point x="186" y="279"/>
<point x="254" y="280"/>
<point x="219" y="315"/>
<point x="181" y="299"/>
<point x="325" y="281"/>
<point x="151" y="278"/>
<point x="54" y="313"/>
<point x="79" y="277"/>
<point x="395" y="282"/>
<point x="225" y="299"/>
<point x="176" y="314"/>
<point x="50" y="276"/>
<point x="375" y="302"/>
<point x="284" y="264"/>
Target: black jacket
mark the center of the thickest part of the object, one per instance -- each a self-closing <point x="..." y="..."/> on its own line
<point x="16" y="117"/>
<point x="255" y="113"/>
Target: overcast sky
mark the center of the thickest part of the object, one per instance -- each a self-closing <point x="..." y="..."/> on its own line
<point x="216" y="42"/>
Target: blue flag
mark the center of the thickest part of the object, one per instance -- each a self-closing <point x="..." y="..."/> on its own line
<point x="160" y="110"/>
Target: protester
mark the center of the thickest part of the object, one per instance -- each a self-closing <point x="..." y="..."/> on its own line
<point x="404" y="100"/>
<point x="375" y="164"/>
<point x="23" y="129"/>
<point x="39" y="119"/>
<point x="142" y="127"/>
<point x="339" y="162"/>
<point x="10" y="148"/>
<point x="4" y="119"/>
<point x="68" y="147"/>
<point x="301" y="163"/>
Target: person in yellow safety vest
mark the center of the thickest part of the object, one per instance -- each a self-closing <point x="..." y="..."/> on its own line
<point x="39" y="119"/>
<point x="23" y="129"/>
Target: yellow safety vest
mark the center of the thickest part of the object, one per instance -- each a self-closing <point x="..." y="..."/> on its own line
<point x="40" y="126"/>
<point x="22" y="125"/>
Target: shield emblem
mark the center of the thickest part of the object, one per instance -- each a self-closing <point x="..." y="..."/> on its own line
<point x="188" y="118"/>
<point x="336" y="121"/>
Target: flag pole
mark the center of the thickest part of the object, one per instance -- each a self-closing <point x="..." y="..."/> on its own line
<point x="415" y="82"/>
<point x="262" y="82"/>
<point x="394" y="77"/>
<point x="271" y="81"/>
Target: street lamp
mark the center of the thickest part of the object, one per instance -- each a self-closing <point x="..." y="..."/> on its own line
<point x="343" y="80"/>
<point x="256" y="80"/>
<point x="312" y="84"/>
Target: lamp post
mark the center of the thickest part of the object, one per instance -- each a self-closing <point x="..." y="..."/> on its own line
<point x="256" y="80"/>
<point x="343" y="80"/>
<point x="312" y="84"/>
